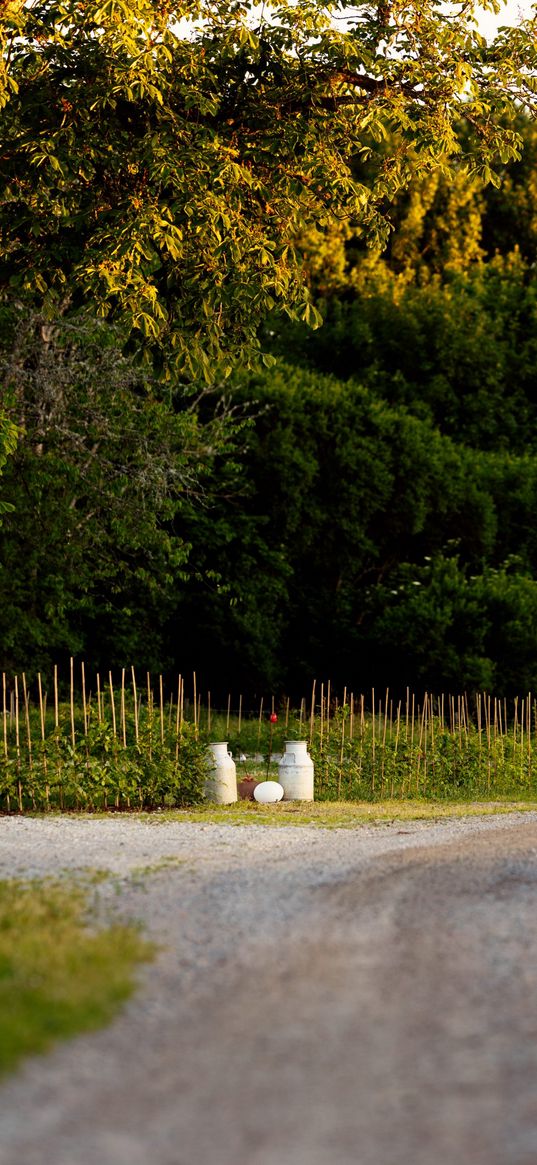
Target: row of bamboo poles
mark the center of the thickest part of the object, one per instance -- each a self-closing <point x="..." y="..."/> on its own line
<point x="490" y="718"/>
<point x="416" y="721"/>
<point x="14" y="716"/>
<point x="361" y="744"/>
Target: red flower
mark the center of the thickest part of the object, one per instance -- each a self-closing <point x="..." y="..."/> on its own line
<point x="273" y="718"/>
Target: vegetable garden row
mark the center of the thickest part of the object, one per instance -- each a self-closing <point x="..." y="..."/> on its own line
<point x="123" y="744"/>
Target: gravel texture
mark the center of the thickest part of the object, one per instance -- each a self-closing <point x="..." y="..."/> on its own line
<point x="346" y="997"/>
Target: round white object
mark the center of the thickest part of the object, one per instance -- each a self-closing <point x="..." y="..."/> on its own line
<point x="267" y="792"/>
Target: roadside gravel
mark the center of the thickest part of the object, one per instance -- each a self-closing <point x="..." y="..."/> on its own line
<point x="345" y="997"/>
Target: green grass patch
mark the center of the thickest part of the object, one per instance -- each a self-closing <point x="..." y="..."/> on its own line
<point x="58" y="977"/>
<point x="338" y="814"/>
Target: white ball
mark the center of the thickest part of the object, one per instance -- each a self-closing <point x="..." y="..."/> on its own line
<point x="268" y="792"/>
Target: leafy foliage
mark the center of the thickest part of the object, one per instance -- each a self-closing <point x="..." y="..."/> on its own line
<point x="191" y="173"/>
<point x="109" y="465"/>
<point x="160" y="160"/>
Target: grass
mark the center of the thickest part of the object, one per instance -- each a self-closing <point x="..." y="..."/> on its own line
<point x="58" y="977"/>
<point x="338" y="814"/>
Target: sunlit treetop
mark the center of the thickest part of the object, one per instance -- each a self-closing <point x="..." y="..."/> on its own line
<point x="159" y="160"/>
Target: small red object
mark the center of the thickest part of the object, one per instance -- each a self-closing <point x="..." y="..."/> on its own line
<point x="273" y="718"/>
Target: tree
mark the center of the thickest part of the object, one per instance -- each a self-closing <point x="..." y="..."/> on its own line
<point x="164" y="170"/>
<point x="109" y="469"/>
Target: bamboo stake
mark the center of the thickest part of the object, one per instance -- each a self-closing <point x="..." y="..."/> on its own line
<point x="195" y="698"/>
<point x="4" y="709"/>
<point x="351" y="716"/>
<point x="114" y="724"/>
<point x="259" y="724"/>
<point x="495" y="740"/>
<point x="72" y="701"/>
<point x="135" y="705"/>
<point x="373" y="741"/>
<point x="361" y="750"/>
<point x="487" y="725"/>
<point x="56" y="705"/>
<point x="479" y="729"/>
<point x="228" y="714"/>
<point x="397" y="731"/>
<point x="112" y="704"/>
<point x="122" y="709"/>
<point x="149" y="715"/>
<point x="17" y="744"/>
<point x="28" y="732"/>
<point x="312" y="714"/>
<point x="84" y="702"/>
<point x="421" y="720"/>
<point x="57" y="735"/>
<point x="412" y="738"/>
<point x="341" y="755"/>
<point x="208" y="712"/>
<point x="488" y="716"/>
<point x="181" y="718"/>
<point x="178" y="720"/>
<point x="425" y="738"/>
<point x="321" y="722"/>
<point x="432" y="740"/>
<point x="161" y="694"/>
<point x="529" y="737"/>
<point x="384" y="745"/>
<point x="522" y="718"/>
<point x="287" y="712"/>
<point x="99" y="707"/>
<point x="27" y="721"/>
<point x="328" y="713"/>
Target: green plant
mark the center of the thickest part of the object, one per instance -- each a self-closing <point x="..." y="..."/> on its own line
<point x="57" y="977"/>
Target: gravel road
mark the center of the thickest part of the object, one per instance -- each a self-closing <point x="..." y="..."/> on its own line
<point x="347" y="997"/>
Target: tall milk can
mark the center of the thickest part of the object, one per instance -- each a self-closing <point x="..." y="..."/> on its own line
<point x="221" y="781"/>
<point x="295" y="772"/>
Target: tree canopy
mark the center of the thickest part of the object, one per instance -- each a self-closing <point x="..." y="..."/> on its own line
<point x="366" y="505"/>
<point x="161" y="159"/>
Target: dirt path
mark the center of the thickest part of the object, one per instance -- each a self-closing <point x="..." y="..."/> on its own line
<point x="367" y="998"/>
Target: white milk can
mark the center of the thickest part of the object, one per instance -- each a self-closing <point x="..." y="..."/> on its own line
<point x="295" y="771"/>
<point x="221" y="782"/>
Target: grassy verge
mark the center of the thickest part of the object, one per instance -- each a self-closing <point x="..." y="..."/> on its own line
<point x="339" y="814"/>
<point x="57" y="977"/>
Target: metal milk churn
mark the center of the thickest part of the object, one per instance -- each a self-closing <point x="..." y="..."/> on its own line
<point x="295" y="771"/>
<point x="221" y="781"/>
